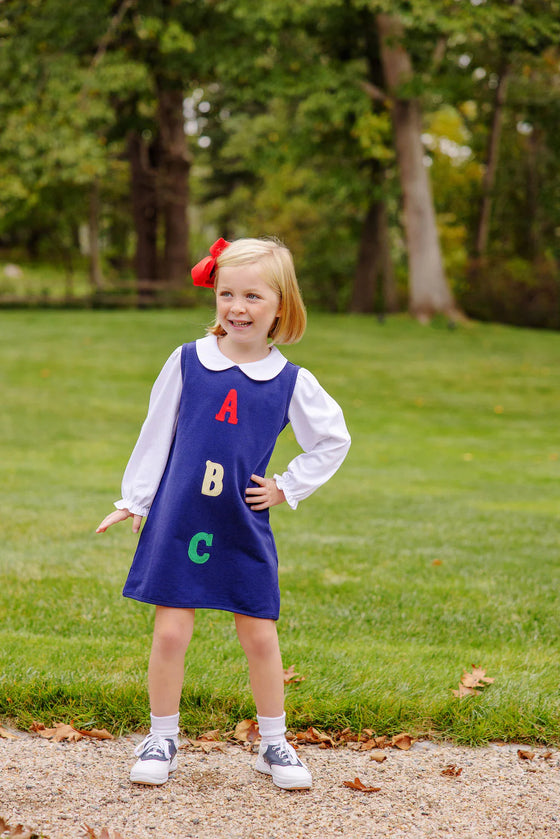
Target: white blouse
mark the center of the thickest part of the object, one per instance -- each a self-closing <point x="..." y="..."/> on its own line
<point x="315" y="417"/>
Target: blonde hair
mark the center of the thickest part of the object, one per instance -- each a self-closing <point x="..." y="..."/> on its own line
<point x="277" y="270"/>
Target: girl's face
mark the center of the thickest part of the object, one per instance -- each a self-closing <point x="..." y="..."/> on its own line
<point x="246" y="308"/>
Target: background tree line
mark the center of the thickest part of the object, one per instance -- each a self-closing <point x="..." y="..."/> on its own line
<point x="405" y="150"/>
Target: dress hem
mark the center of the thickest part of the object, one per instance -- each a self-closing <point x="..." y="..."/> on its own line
<point x="212" y="606"/>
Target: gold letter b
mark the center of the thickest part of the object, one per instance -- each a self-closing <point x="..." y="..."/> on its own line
<point x="213" y="482"/>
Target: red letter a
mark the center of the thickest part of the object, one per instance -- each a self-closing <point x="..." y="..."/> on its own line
<point x="229" y="407"/>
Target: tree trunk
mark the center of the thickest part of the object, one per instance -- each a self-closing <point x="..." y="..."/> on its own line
<point x="535" y="237"/>
<point x="173" y="185"/>
<point x="144" y="211"/>
<point x="483" y="227"/>
<point x="375" y="258"/>
<point x="367" y="270"/>
<point x="374" y="263"/>
<point x="389" y="282"/>
<point x="429" y="292"/>
<point x="95" y="273"/>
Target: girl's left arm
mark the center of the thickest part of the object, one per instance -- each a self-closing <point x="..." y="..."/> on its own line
<point x="318" y="424"/>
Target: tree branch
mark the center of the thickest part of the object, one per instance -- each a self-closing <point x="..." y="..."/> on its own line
<point x="375" y="93"/>
<point x="116" y="21"/>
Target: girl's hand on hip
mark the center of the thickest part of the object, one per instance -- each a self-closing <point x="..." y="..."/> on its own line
<point x="265" y="495"/>
<point x="117" y="516"/>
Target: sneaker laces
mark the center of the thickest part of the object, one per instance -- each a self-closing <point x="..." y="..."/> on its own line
<point x="284" y="750"/>
<point x="153" y="745"/>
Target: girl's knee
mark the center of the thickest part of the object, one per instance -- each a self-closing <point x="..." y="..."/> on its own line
<point x="173" y="631"/>
<point x="257" y="636"/>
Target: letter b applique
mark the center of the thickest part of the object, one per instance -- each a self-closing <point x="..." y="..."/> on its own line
<point x="229" y="407"/>
<point x="213" y="481"/>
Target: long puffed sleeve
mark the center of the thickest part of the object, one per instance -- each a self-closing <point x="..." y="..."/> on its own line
<point x="149" y="458"/>
<point x="319" y="428"/>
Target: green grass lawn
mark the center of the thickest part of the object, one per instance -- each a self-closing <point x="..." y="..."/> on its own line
<point x="43" y="280"/>
<point x="455" y="457"/>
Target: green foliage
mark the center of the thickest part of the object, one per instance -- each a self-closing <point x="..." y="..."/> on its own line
<point x="373" y="132"/>
<point x="513" y="291"/>
<point x="284" y="135"/>
<point x="453" y="458"/>
<point x="57" y="122"/>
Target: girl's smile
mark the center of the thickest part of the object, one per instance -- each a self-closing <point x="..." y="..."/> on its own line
<point x="247" y="308"/>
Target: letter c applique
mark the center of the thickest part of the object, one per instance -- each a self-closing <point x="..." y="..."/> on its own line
<point x="229" y="407"/>
<point x="194" y="555"/>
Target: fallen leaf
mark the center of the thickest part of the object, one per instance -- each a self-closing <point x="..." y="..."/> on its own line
<point x="437" y="562"/>
<point x="291" y="677"/>
<point x="546" y="755"/>
<point x="378" y="755"/>
<point x="206" y="745"/>
<point x="473" y="682"/>
<point x="402" y="741"/>
<point x="479" y="673"/>
<point x="525" y="754"/>
<point x="312" y="736"/>
<point x="348" y="736"/>
<point x="17" y="832"/>
<point x="61" y="731"/>
<point x="469" y="680"/>
<point x="356" y="784"/>
<point x="465" y="691"/>
<point x="368" y="745"/>
<point x="247" y="731"/>
<point x="381" y="742"/>
<point x="91" y="834"/>
<point x="96" y="733"/>
<point x="354" y="746"/>
<point x="7" y="735"/>
<point x="452" y="771"/>
<point x="210" y="735"/>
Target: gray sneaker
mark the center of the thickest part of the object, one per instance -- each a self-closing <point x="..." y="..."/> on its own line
<point x="282" y="762"/>
<point x="157" y="758"/>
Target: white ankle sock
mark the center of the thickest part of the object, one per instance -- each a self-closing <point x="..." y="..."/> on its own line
<point x="272" y="729"/>
<point x="166" y="726"/>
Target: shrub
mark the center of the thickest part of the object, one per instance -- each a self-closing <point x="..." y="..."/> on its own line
<point x="513" y="291"/>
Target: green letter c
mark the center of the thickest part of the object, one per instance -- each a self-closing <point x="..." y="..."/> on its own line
<point x="194" y="556"/>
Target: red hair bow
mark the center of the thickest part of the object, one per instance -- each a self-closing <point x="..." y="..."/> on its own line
<point x="203" y="272"/>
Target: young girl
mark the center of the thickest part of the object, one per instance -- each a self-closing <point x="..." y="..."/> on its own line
<point x="198" y="469"/>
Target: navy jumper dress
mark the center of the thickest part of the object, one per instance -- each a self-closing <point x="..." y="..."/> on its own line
<point x="202" y="546"/>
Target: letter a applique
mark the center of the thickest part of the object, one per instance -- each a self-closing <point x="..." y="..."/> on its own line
<point x="229" y="407"/>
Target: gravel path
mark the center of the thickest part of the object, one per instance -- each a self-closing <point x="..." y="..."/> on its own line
<point x="56" y="788"/>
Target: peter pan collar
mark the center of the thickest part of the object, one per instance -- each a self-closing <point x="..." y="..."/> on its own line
<point x="210" y="355"/>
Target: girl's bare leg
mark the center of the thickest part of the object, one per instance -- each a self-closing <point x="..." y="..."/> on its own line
<point x="259" y="640"/>
<point x="173" y="629"/>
